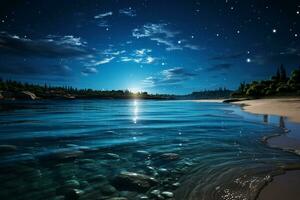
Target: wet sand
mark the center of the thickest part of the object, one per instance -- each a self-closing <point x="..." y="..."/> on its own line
<point x="286" y="186"/>
<point x="283" y="187"/>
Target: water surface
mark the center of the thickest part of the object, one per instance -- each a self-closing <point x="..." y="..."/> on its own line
<point x="82" y="145"/>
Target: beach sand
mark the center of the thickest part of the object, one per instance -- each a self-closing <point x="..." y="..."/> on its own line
<point x="209" y="100"/>
<point x="288" y="107"/>
<point x="286" y="186"/>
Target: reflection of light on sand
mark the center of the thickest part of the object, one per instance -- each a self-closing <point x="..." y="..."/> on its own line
<point x="135" y="111"/>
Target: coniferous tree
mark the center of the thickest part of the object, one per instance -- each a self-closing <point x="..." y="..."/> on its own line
<point x="283" y="76"/>
<point x="278" y="74"/>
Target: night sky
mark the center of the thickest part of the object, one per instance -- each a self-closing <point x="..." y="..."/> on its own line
<point x="157" y="46"/>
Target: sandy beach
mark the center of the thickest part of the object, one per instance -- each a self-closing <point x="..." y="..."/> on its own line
<point x="288" y="107"/>
<point x="284" y="186"/>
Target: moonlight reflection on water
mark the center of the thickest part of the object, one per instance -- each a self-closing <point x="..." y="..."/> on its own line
<point x="133" y="149"/>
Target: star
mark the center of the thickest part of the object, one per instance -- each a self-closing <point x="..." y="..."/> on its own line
<point x="274" y="30"/>
<point x="179" y="41"/>
<point x="218" y="34"/>
<point x="297" y="12"/>
<point x="238" y="32"/>
<point x="296" y="35"/>
<point x="248" y="60"/>
<point x="192" y="37"/>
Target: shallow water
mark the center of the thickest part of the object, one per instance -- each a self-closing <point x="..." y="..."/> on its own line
<point x="75" y="150"/>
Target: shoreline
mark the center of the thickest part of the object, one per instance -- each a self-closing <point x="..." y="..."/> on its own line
<point x="284" y="185"/>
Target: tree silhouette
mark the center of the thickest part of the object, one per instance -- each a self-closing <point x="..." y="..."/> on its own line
<point x="283" y="76"/>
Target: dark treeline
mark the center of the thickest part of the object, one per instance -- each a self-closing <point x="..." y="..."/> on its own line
<point x="13" y="90"/>
<point x="279" y="85"/>
<point x="221" y="93"/>
<point x="10" y="89"/>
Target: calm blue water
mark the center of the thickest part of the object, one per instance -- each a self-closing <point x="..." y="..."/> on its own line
<point x="75" y="149"/>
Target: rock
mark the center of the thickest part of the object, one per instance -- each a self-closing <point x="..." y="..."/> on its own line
<point x="97" y="178"/>
<point x="155" y="192"/>
<point x="187" y="163"/>
<point x="84" y="184"/>
<point x="5" y="148"/>
<point x="27" y="95"/>
<point x="167" y="194"/>
<point x="112" y="156"/>
<point x="73" y="194"/>
<point x="108" y="189"/>
<point x="86" y="149"/>
<point x="297" y="151"/>
<point x="134" y="181"/>
<point x="143" y="197"/>
<point x="286" y="130"/>
<point x="163" y="171"/>
<point x="128" y="194"/>
<point x="72" y="183"/>
<point x="68" y="154"/>
<point x="142" y="154"/>
<point x="91" y="167"/>
<point x="175" y="185"/>
<point x="69" y="96"/>
<point x="169" y="156"/>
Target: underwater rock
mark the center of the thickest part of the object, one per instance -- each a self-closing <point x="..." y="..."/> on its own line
<point x="73" y="194"/>
<point x="128" y="194"/>
<point x="97" y="178"/>
<point x="72" y="183"/>
<point x="142" y="154"/>
<point x="86" y="149"/>
<point x="84" y="184"/>
<point x="108" y="189"/>
<point x="143" y="197"/>
<point x="170" y="156"/>
<point x="68" y="155"/>
<point x="167" y="194"/>
<point x="163" y="171"/>
<point x="134" y="181"/>
<point x="156" y="194"/>
<point x="175" y="185"/>
<point x="6" y="148"/>
<point x="112" y="156"/>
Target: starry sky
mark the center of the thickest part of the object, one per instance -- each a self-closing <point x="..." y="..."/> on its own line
<point x="158" y="46"/>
